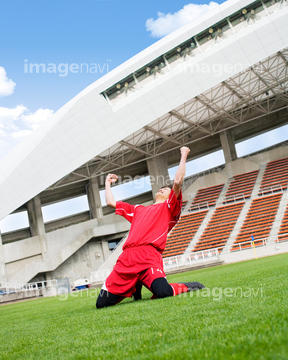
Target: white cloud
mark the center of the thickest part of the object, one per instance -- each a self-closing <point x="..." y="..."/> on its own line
<point x="21" y="134"/>
<point x="17" y="123"/>
<point x="34" y="120"/>
<point x="6" y="85"/>
<point x="166" y="23"/>
<point x="8" y="115"/>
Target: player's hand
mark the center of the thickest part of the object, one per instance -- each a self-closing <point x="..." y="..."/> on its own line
<point x="111" y="178"/>
<point x="184" y="150"/>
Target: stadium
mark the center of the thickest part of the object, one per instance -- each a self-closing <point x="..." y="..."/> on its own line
<point x="208" y="86"/>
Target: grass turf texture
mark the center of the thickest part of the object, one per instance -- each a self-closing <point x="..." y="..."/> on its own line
<point x="249" y="321"/>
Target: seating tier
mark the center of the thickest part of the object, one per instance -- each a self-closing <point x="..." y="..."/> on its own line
<point x="241" y="186"/>
<point x="219" y="227"/>
<point x="206" y="197"/>
<point x="258" y="221"/>
<point x="183" y="232"/>
<point x="275" y="175"/>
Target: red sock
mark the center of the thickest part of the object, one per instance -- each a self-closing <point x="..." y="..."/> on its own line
<point x="178" y="288"/>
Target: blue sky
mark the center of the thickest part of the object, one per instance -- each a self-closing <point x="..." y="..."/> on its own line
<point x="99" y="33"/>
<point x="104" y="33"/>
<point x="70" y="31"/>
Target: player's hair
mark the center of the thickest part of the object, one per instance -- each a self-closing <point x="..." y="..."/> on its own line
<point x="165" y="186"/>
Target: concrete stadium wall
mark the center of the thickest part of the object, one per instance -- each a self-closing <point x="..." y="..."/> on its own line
<point x="111" y="224"/>
<point x="66" y="221"/>
<point x="73" y="251"/>
<point x="77" y="261"/>
<point x="206" y="181"/>
<point x="15" y="235"/>
<point x="91" y="256"/>
<point x="22" y="249"/>
<point x="240" y="166"/>
<point x="13" y="268"/>
<point x="274" y="154"/>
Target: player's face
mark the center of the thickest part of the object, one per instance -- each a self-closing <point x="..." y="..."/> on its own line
<point x="163" y="193"/>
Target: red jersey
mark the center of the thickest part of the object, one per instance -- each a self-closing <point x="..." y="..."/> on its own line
<point x="150" y="224"/>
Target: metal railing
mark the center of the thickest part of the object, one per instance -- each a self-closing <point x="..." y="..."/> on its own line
<point x="190" y="259"/>
<point x="173" y="262"/>
<point x="281" y="238"/>
<point x="39" y="285"/>
<point x="249" y="244"/>
<point x="234" y="198"/>
<point x="259" y="242"/>
<point x="8" y="288"/>
<point x="200" y="206"/>
<point x="271" y="189"/>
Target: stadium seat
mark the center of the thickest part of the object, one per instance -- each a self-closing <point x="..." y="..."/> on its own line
<point x="241" y="186"/>
<point x="206" y="197"/>
<point x="258" y="221"/>
<point x="275" y="176"/>
<point x="283" y="231"/>
<point x="219" y="227"/>
<point x="183" y="232"/>
<point x="184" y="203"/>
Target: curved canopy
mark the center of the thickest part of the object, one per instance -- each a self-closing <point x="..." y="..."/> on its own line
<point x="228" y="71"/>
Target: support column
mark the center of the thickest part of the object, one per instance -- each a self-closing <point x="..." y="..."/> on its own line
<point x="228" y="146"/>
<point x="94" y="200"/>
<point x="35" y="217"/>
<point x="105" y="249"/>
<point x="3" y="278"/>
<point x="36" y="221"/>
<point x="158" y="172"/>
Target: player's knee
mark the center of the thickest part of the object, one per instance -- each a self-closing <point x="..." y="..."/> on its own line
<point x="102" y="300"/>
<point x="161" y="288"/>
<point x="160" y="294"/>
<point x="100" y="303"/>
<point x="106" y="298"/>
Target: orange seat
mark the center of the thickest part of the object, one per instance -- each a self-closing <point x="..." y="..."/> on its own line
<point x="242" y="184"/>
<point x="275" y="175"/>
<point x="258" y="221"/>
<point x="219" y="227"/>
<point x="183" y="232"/>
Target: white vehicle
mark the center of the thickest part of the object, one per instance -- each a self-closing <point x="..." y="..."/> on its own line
<point x="81" y="284"/>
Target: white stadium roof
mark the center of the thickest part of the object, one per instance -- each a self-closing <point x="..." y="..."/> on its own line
<point x="226" y="69"/>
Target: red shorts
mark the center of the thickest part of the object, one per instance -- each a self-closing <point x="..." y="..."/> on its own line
<point x="141" y="264"/>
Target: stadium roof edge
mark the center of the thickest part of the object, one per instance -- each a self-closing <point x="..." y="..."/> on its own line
<point x="166" y="44"/>
<point x="125" y="69"/>
<point x="86" y="126"/>
<point x="130" y="65"/>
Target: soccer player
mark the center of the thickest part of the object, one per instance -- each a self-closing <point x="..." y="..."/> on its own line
<point x="141" y="260"/>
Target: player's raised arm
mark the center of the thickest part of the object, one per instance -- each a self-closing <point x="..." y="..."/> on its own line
<point x="180" y="173"/>
<point x="111" y="178"/>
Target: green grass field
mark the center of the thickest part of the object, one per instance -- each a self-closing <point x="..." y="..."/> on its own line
<point x="242" y="314"/>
